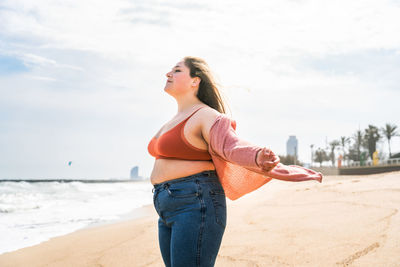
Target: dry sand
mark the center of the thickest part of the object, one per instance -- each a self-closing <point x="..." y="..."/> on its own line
<point x="344" y="221"/>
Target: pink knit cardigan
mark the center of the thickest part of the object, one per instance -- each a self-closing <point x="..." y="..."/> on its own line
<point x="235" y="162"/>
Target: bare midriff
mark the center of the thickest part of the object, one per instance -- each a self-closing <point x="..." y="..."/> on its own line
<point x="170" y="169"/>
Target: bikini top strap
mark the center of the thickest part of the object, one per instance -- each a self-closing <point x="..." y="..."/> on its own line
<point x="193" y="113"/>
<point x="182" y="122"/>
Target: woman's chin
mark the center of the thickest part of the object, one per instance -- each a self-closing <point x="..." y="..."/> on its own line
<point x="167" y="90"/>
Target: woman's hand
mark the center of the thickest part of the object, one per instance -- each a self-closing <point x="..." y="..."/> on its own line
<point x="266" y="159"/>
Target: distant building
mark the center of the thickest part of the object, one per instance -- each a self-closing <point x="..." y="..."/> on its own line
<point x="292" y="146"/>
<point x="135" y="172"/>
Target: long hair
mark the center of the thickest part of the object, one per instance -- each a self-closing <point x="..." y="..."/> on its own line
<point x="208" y="92"/>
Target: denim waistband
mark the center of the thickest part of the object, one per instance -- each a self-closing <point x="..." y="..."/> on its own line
<point x="204" y="175"/>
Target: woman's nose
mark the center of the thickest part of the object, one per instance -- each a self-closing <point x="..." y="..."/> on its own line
<point x="168" y="74"/>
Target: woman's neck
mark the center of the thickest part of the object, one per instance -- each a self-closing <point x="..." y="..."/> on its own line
<point x="186" y="103"/>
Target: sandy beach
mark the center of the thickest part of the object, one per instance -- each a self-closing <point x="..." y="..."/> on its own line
<point x="344" y="221"/>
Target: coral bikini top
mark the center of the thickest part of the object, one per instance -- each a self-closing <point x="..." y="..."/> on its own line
<point x="173" y="145"/>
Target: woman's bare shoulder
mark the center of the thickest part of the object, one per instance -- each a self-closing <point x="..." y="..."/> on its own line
<point x="208" y="116"/>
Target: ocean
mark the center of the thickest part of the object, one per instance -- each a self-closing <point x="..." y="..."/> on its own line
<point x="31" y="213"/>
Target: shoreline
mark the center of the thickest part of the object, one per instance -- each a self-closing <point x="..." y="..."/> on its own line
<point x="345" y="220"/>
<point x="134" y="214"/>
<point x="75" y="206"/>
<point x="85" y="241"/>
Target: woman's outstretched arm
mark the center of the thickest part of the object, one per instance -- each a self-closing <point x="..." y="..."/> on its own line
<point x="234" y="149"/>
<point x="224" y="143"/>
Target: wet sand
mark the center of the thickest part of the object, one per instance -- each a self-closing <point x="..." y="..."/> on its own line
<point x="344" y="221"/>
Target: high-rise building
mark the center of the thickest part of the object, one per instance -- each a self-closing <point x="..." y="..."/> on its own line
<point x="135" y="172"/>
<point x="292" y="146"/>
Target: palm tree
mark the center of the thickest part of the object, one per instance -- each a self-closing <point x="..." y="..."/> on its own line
<point x="389" y="131"/>
<point x="333" y="144"/>
<point x="371" y="137"/>
<point x="358" y="140"/>
<point x="320" y="156"/>
<point x="343" y="142"/>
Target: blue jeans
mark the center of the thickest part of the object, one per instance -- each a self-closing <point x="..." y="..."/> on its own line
<point x="192" y="219"/>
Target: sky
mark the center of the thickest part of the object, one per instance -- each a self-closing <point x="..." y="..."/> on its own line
<point x="83" y="81"/>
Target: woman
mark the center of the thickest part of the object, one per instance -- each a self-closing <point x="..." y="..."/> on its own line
<point x="189" y="195"/>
